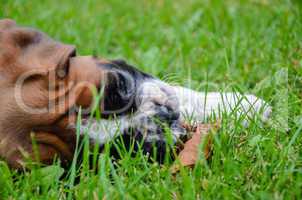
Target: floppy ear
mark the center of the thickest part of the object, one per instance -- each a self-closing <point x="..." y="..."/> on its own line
<point x="7" y="23"/>
<point x="24" y="37"/>
<point x="121" y="85"/>
<point x="119" y="90"/>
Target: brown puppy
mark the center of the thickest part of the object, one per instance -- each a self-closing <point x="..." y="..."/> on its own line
<point x="41" y="82"/>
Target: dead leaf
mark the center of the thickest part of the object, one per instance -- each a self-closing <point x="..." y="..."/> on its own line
<point x="189" y="155"/>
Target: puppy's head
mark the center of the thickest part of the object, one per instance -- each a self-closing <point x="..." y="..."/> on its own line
<point x="41" y="78"/>
<point x="42" y="83"/>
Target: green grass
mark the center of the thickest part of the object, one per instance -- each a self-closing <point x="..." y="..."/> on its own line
<point x="252" y="46"/>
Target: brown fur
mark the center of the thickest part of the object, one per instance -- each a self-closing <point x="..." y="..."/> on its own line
<point x="25" y="51"/>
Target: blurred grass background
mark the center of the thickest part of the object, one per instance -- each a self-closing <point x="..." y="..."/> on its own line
<point x="250" y="45"/>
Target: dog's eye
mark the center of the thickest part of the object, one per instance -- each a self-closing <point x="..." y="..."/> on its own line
<point x="62" y="71"/>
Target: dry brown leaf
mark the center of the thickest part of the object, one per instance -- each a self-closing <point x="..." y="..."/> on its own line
<point x="189" y="155"/>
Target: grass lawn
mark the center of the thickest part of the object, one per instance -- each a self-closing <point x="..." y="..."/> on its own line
<point x="250" y="46"/>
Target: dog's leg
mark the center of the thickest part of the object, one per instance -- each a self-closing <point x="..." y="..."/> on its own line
<point x="198" y="106"/>
<point x="201" y="105"/>
<point x="171" y="105"/>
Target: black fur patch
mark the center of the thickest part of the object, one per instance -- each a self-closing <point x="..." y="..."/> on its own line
<point x="121" y="87"/>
